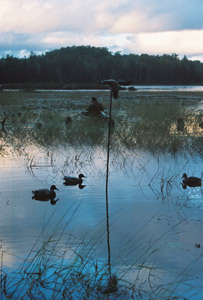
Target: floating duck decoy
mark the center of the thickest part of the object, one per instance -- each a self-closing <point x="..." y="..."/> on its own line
<point x="38" y="125"/>
<point x="68" y="120"/>
<point x="3" y="124"/>
<point x="45" y="194"/>
<point x="73" y="180"/>
<point x="180" y="124"/>
<point x="191" y="181"/>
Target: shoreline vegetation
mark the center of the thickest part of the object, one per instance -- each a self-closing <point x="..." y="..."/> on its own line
<point x="88" y="66"/>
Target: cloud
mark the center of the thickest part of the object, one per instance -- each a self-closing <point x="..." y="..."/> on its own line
<point x="196" y="57"/>
<point x="136" y="22"/>
<point x="154" y="27"/>
<point x="118" y="16"/>
<point x="187" y="41"/>
<point x="32" y="16"/>
<point x="18" y="41"/>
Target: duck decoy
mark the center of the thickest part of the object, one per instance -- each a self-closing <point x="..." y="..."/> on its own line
<point x="45" y="194"/>
<point x="74" y="180"/>
<point x="125" y="82"/>
<point x="191" y="181"/>
<point x="3" y="124"/>
<point x="113" y="84"/>
<point x="68" y="120"/>
<point x="180" y="124"/>
<point x="38" y="125"/>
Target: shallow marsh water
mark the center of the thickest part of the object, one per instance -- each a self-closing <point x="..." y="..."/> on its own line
<point x="155" y="225"/>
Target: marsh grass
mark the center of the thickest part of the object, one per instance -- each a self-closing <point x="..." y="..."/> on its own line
<point x="54" y="270"/>
<point x="63" y="266"/>
<point x="65" y="271"/>
<point x="38" y="119"/>
<point x="146" y="126"/>
<point x="139" y="125"/>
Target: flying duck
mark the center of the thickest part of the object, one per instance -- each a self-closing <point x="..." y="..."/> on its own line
<point x="190" y="181"/>
<point x="45" y="194"/>
<point x="73" y="180"/>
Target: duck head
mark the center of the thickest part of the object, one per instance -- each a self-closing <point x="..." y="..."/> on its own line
<point x="184" y="175"/>
<point x="81" y="176"/>
<point x="53" y="187"/>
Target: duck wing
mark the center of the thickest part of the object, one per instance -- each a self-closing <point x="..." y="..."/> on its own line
<point x="43" y="194"/>
<point x="73" y="180"/>
<point x="68" y="183"/>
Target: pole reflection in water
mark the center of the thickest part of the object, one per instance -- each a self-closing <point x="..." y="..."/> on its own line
<point x="114" y="93"/>
<point x="107" y="181"/>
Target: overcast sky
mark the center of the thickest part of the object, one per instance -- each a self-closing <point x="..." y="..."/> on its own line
<point x="130" y="26"/>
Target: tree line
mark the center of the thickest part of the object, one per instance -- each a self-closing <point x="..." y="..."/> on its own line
<point x="87" y="64"/>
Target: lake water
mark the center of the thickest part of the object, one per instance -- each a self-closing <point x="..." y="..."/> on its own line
<point x="174" y="88"/>
<point x="155" y="225"/>
<point x="147" y="88"/>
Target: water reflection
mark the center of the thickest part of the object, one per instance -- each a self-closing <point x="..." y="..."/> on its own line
<point x="80" y="186"/>
<point x="155" y="223"/>
<point x="52" y="201"/>
<point x="142" y="221"/>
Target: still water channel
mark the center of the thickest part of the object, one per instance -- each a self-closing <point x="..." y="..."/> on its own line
<point x="155" y="225"/>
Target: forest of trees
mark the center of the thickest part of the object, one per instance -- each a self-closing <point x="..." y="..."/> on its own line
<point x="86" y="64"/>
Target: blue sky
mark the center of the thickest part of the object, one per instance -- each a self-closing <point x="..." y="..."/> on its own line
<point x="130" y="26"/>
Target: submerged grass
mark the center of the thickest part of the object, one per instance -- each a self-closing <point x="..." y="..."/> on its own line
<point x="54" y="270"/>
<point x="62" y="266"/>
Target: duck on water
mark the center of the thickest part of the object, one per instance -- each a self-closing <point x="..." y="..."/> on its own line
<point x="45" y="194"/>
<point x="69" y="181"/>
<point x="191" y="181"/>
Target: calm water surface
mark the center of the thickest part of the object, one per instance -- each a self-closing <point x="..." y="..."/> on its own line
<point x="175" y="88"/>
<point x="152" y="222"/>
<point x="155" y="225"/>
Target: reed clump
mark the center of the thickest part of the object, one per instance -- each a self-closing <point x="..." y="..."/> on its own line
<point x="54" y="270"/>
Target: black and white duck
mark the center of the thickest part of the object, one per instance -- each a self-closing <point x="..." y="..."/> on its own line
<point x="69" y="180"/>
<point x="45" y="194"/>
<point x="191" y="181"/>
